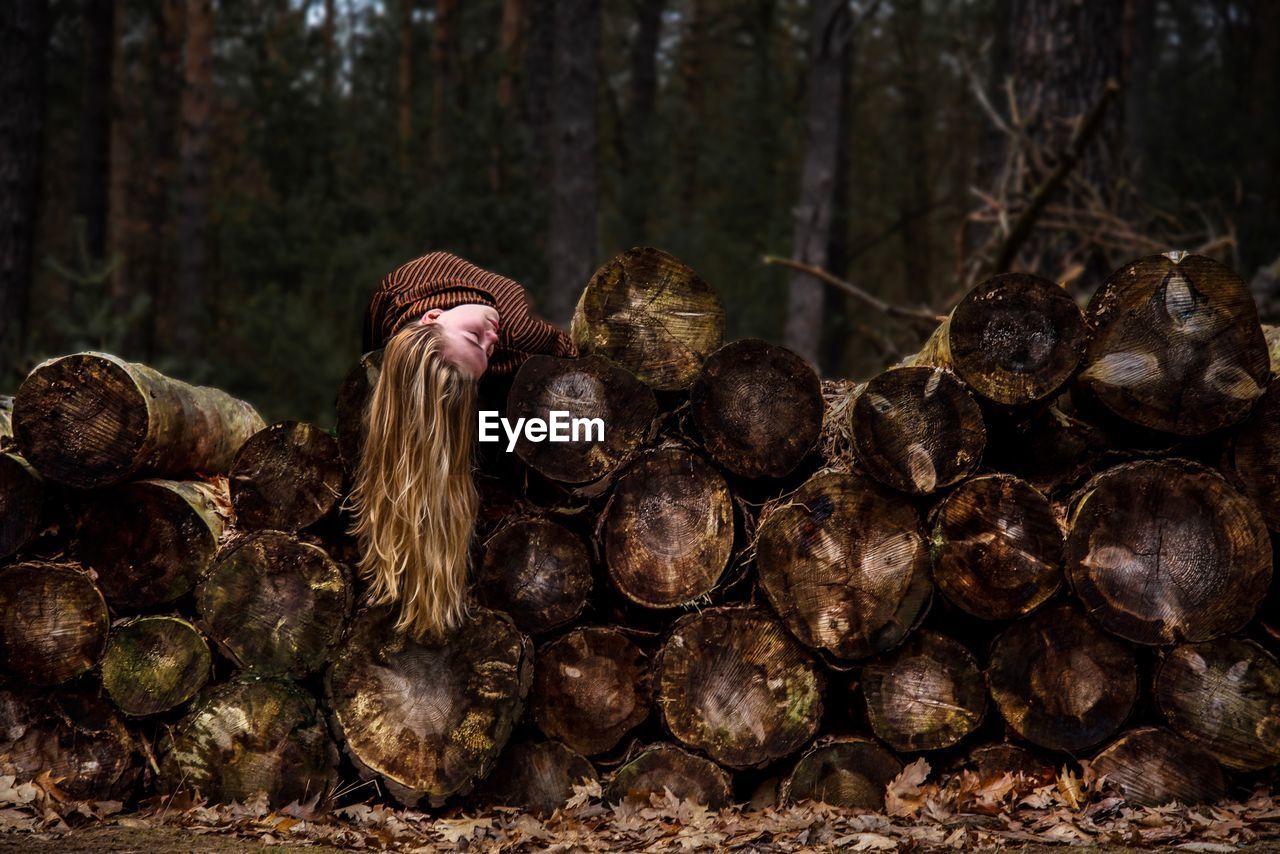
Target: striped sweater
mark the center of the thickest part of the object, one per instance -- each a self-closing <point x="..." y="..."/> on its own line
<point x="443" y="280"/>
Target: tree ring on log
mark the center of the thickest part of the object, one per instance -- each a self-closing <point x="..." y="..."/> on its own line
<point x="535" y="776"/>
<point x="842" y="771"/>
<point x="1153" y="767"/>
<point x="536" y="571"/>
<point x="76" y="738"/>
<point x="285" y="477"/>
<point x="666" y="766"/>
<point x="153" y="664"/>
<point x="53" y="622"/>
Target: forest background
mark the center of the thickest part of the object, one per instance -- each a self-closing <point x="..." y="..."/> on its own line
<point x="215" y="188"/>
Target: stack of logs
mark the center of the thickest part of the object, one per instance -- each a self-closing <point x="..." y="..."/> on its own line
<point x="1043" y="538"/>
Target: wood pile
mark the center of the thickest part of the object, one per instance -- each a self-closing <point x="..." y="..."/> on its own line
<point x="1046" y="537"/>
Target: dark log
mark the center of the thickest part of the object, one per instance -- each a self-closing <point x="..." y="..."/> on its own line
<point x="997" y="547"/>
<point x="668" y="529"/>
<point x="842" y="771"/>
<point x="535" y="776"/>
<point x="844" y="563"/>
<point x="1224" y="695"/>
<point x="6" y="421"/>
<point x="1175" y="346"/>
<point x="351" y="404"/>
<point x="285" y="477"/>
<point x="926" y="695"/>
<point x="275" y="604"/>
<point x="429" y="720"/>
<point x="53" y="622"/>
<point x="1153" y="767"/>
<point x="153" y="664"/>
<point x="917" y="429"/>
<point x="1061" y="682"/>
<point x="22" y="501"/>
<point x="91" y="420"/>
<point x="734" y="684"/>
<point x="667" y="767"/>
<point x="1253" y="458"/>
<point x="249" y="735"/>
<point x="76" y="737"/>
<point x="993" y="761"/>
<point x="590" y="688"/>
<point x="758" y="408"/>
<point x="1050" y="450"/>
<point x="150" y="540"/>
<point x="588" y="388"/>
<point x="1166" y="551"/>
<point x="1014" y="339"/>
<point x="650" y="313"/>
<point x="538" y="572"/>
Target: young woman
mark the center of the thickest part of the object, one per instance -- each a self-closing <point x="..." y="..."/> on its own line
<point x="443" y="324"/>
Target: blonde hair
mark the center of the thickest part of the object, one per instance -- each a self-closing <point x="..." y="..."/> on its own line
<point x="413" y="495"/>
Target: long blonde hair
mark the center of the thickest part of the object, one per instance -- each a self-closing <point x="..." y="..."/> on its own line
<point x="413" y="495"/>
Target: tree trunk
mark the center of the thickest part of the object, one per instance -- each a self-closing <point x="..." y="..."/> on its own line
<point x="165" y="108"/>
<point x="94" y="161"/>
<point x="444" y="80"/>
<point x="535" y="776"/>
<point x="76" y="738"/>
<point x="538" y="572"/>
<point x="571" y="243"/>
<point x="275" y="604"/>
<point x="664" y="767"/>
<point x="327" y="32"/>
<point x="1152" y="767"/>
<point x="511" y="46"/>
<point x="638" y="124"/>
<point x="192" y="298"/>
<point x="917" y="191"/>
<point x="286" y="477"/>
<point x="539" y="60"/>
<point x="91" y="420"/>
<point x="53" y="622"/>
<point x="404" y="85"/>
<point x="758" y="408"/>
<point x="591" y="687"/>
<point x="843" y="771"/>
<point x="154" y="664"/>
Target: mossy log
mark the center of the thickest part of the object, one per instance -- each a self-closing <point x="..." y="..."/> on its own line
<point x="285" y="477"/>
<point x="842" y="771"/>
<point x="248" y="735"/>
<point x="917" y="429"/>
<point x="22" y="503"/>
<point x="1175" y="345"/>
<point x="1060" y="682"/>
<point x="428" y="719"/>
<point x="1224" y="695"/>
<point x="1052" y="449"/>
<point x="1166" y="551"/>
<point x="590" y="688"/>
<point x="650" y="313"/>
<point x="662" y="767"/>
<point x="538" y="572"/>
<point x="275" y="604"/>
<point x="91" y="420"/>
<point x="75" y="737"/>
<point x="997" y="547"/>
<point x="1253" y="456"/>
<point x="926" y="695"/>
<point x="589" y="388"/>
<point x="150" y="540"/>
<point x="734" y="684"/>
<point x="1153" y="767"/>
<point x="351" y="405"/>
<point x="154" y="664"/>
<point x="758" y="408"/>
<point x="668" y="529"/>
<point x="1014" y="339"/>
<point x="844" y="563"/>
<point x="535" y="776"/>
<point x="53" y="622"/>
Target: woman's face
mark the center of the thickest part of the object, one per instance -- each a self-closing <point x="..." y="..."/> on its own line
<point x="469" y="334"/>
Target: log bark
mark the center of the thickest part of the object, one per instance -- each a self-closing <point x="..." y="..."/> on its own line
<point x="842" y="771"/>
<point x="73" y="736"/>
<point x="351" y="407"/>
<point x="663" y="767"/>
<point x="926" y="695"/>
<point x="22" y="503"/>
<point x="668" y="529"/>
<point x="53" y="622"/>
<point x="275" y="604"/>
<point x="249" y="735"/>
<point x="1175" y="346"/>
<point x="91" y="420"/>
<point x="917" y="429"/>
<point x="1060" y="682"/>
<point x="536" y="571"/>
<point x="592" y="387"/>
<point x="758" y="408"/>
<point x="535" y="776"/>
<point x="843" y="562"/>
<point x="1253" y="457"/>
<point x="150" y="540"/>
<point x="997" y="548"/>
<point x="1014" y="339"/>
<point x="652" y="314"/>
<point x="429" y="720"/>
<point x="1153" y="767"/>
<point x="285" y="477"/>
<point x="735" y="685"/>
<point x="1166" y="551"/>
<point x="154" y="664"/>
<point x="590" y="688"/>
<point x="1223" y="695"/>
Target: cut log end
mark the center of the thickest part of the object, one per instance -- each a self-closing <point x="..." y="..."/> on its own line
<point x="53" y="622"/>
<point x="926" y="695"/>
<point x="537" y="777"/>
<point x="844" y="772"/>
<point x="536" y="571"/>
<point x="153" y="664"/>
<point x="22" y="500"/>
<point x="665" y="767"/>
<point x="286" y="478"/>
<point x="1153" y="767"/>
